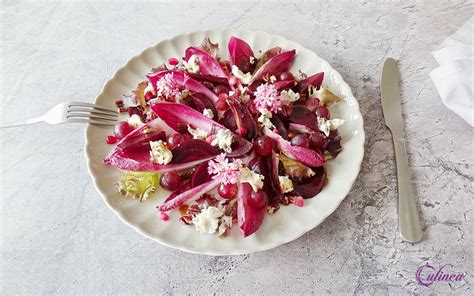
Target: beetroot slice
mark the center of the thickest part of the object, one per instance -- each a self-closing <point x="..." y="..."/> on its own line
<point x="228" y="120"/>
<point x="200" y="175"/>
<point x="248" y="217"/>
<point x="310" y="187"/>
<point x="263" y="165"/>
<point x="243" y="118"/>
<point x="240" y="147"/>
<point x="334" y="146"/>
<point x="280" y="126"/>
<point x="302" y="115"/>
<point x="191" y="150"/>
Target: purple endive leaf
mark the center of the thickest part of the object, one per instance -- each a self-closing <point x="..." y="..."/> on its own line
<point x="197" y="87"/>
<point x="315" y="80"/>
<point x="276" y="65"/>
<point x="153" y="77"/>
<point x="280" y="85"/>
<point x="248" y="217"/>
<point x="240" y="53"/>
<point x="208" y="65"/>
<point x="264" y="57"/>
<point x="138" y="160"/>
<point x="209" y="78"/>
<point x="179" y="115"/>
<point x="201" y="102"/>
<point x="192" y="193"/>
<point x="303" y="155"/>
<point x="302" y="115"/>
<point x="300" y="128"/>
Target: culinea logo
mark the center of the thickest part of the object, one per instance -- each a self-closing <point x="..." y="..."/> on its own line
<point x="426" y="275"/>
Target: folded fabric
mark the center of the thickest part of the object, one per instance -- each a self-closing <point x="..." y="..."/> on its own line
<point x="454" y="78"/>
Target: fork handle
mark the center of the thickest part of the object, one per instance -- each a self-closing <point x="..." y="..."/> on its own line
<point x="23" y="122"/>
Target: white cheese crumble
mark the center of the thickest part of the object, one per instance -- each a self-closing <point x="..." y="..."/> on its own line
<point x="160" y="153"/>
<point x="273" y="79"/>
<point x="135" y="121"/>
<point x="264" y="118"/>
<point x="192" y="65"/>
<point x="224" y="139"/>
<point x="290" y="95"/>
<point x="244" y="78"/>
<point x="326" y="126"/>
<point x="255" y="180"/>
<point x="208" y="113"/>
<point x="208" y="220"/>
<point x="197" y="133"/>
<point x="286" y="184"/>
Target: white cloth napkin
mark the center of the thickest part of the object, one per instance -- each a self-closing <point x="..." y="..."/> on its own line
<point x="454" y="77"/>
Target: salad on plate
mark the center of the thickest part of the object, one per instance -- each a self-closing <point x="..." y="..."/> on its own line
<point x="231" y="140"/>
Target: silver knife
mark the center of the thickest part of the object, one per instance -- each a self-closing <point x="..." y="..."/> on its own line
<point x="408" y="220"/>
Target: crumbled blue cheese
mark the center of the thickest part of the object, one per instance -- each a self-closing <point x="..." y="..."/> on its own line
<point x="197" y="133"/>
<point x="255" y="180"/>
<point x="208" y="113"/>
<point x="223" y="140"/>
<point x="290" y="95"/>
<point x="244" y="78"/>
<point x="264" y="118"/>
<point x="135" y="121"/>
<point x="286" y="184"/>
<point x="207" y="221"/>
<point x="192" y="65"/>
<point x="160" y="153"/>
<point x="326" y="126"/>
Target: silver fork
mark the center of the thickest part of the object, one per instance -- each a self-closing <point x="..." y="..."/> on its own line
<point x="75" y="112"/>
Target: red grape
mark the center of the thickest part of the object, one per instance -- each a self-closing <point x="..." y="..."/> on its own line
<point x="111" y="139"/>
<point x="300" y="140"/>
<point x="122" y="129"/>
<point x="322" y="112"/>
<point x="286" y="76"/>
<point x="227" y="191"/>
<point x="264" y="145"/>
<point x="258" y="199"/>
<point x="170" y="181"/>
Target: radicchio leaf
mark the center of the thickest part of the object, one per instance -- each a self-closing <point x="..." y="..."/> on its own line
<point x="197" y="87"/>
<point x="208" y="65"/>
<point x="304" y="155"/>
<point x="248" y="217"/>
<point x="200" y="175"/>
<point x="240" y="54"/>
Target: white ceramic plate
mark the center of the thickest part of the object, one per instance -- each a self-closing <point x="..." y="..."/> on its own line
<point x="290" y="222"/>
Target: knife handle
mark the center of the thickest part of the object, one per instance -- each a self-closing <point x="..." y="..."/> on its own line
<point x="408" y="219"/>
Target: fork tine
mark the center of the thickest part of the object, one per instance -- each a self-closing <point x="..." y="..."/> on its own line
<point x="89" y="105"/>
<point x="91" y="121"/>
<point x="92" y="111"/>
<point x="91" y="116"/>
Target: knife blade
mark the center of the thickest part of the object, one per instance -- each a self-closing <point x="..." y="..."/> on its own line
<point x="408" y="219"/>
